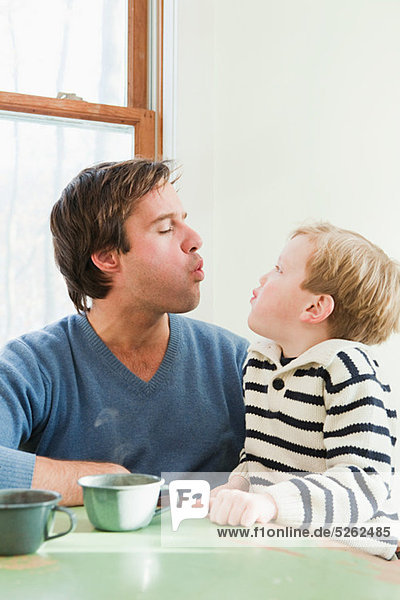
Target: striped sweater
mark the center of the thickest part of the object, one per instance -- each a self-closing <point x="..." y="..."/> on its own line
<point x="320" y="436"/>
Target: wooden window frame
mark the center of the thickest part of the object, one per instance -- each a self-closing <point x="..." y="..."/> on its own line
<point x="136" y="113"/>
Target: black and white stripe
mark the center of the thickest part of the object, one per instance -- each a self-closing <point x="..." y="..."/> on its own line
<point x="321" y="440"/>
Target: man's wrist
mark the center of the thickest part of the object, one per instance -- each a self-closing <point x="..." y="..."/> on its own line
<point x="62" y="476"/>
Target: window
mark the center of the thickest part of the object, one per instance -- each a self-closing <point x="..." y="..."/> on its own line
<point x="97" y="56"/>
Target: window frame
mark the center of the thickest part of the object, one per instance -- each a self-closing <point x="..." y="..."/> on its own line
<point x="147" y="123"/>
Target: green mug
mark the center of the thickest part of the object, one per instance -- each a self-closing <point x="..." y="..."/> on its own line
<point x="26" y="518"/>
<point x="120" y="501"/>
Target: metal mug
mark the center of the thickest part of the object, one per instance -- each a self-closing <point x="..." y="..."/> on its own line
<point x="120" y="502"/>
<point x="26" y="519"/>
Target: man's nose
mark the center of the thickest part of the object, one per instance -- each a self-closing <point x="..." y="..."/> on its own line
<point x="192" y="241"/>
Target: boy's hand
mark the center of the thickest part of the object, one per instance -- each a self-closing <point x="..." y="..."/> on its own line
<point x="237" y="482"/>
<point x="235" y="507"/>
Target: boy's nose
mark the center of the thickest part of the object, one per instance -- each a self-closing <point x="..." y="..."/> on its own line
<point x="263" y="278"/>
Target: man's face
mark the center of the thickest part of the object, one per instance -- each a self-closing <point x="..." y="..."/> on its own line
<point x="279" y="301"/>
<point x="162" y="270"/>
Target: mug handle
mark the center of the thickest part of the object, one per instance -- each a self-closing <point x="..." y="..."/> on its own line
<point x="72" y="523"/>
<point x="164" y="488"/>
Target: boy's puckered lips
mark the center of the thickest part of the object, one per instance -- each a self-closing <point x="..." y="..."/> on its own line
<point x="254" y="296"/>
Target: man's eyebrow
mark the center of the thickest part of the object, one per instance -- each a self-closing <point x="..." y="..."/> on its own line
<point x="171" y="215"/>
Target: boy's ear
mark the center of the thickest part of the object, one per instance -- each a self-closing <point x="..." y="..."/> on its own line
<point x="318" y="311"/>
<point x="106" y="260"/>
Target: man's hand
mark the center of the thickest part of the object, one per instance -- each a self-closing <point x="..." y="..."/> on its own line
<point x="62" y="476"/>
<point x="236" y="507"/>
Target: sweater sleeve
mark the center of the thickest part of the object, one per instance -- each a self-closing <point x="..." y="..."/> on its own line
<point x="359" y="441"/>
<point x="22" y="412"/>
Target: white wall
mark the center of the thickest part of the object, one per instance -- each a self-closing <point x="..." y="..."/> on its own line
<point x="307" y="126"/>
<point x="287" y="110"/>
<point x="194" y="128"/>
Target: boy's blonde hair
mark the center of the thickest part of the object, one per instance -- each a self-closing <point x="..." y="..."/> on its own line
<point x="363" y="281"/>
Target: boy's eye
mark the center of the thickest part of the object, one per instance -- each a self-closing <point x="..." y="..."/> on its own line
<point x="278" y="269"/>
<point x="170" y="228"/>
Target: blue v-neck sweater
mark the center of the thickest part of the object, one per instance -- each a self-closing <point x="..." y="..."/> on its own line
<point x="63" y="394"/>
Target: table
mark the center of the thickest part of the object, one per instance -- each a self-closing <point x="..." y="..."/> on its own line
<point x="90" y="564"/>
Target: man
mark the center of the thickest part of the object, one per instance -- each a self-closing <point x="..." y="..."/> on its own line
<point x="127" y="383"/>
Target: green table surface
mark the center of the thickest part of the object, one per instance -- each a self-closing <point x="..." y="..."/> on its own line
<point x="90" y="564"/>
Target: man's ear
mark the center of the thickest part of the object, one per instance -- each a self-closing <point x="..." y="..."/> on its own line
<point x="319" y="310"/>
<point x="106" y="260"/>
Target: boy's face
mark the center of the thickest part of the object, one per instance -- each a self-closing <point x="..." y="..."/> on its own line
<point x="277" y="304"/>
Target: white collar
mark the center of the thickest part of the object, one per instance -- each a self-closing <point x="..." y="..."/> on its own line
<point x="321" y="353"/>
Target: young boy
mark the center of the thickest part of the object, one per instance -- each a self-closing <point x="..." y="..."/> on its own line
<point x="320" y="427"/>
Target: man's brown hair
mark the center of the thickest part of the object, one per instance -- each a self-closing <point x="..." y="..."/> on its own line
<point x="362" y="280"/>
<point x="90" y="216"/>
